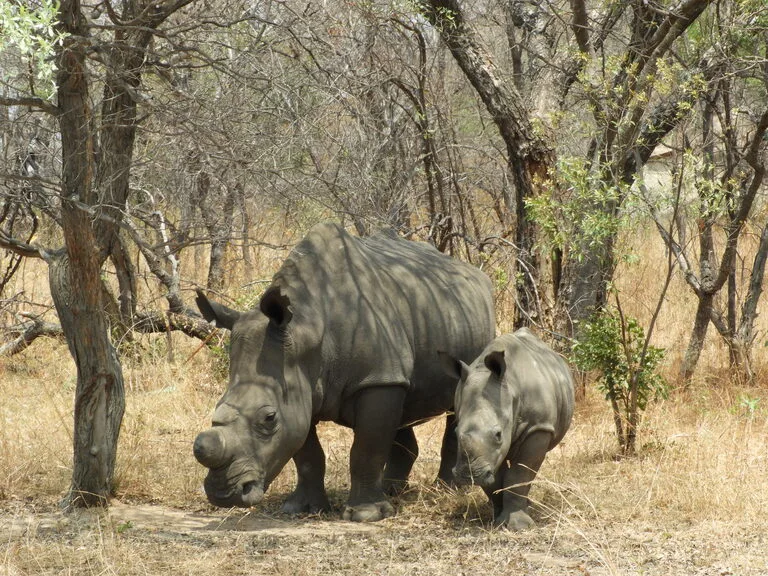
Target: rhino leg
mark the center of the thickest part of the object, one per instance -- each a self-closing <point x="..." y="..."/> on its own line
<point x="449" y="451"/>
<point x="309" y="495"/>
<point x="517" y="481"/>
<point x="377" y="417"/>
<point x="403" y="454"/>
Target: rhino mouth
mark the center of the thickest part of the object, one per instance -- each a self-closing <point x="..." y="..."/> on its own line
<point x="251" y="492"/>
<point x="480" y="476"/>
<point x="243" y="492"/>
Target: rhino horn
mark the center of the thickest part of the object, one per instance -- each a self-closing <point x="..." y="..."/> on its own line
<point x="210" y="448"/>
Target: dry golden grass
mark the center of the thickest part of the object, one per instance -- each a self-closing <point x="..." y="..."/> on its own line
<point x="692" y="503"/>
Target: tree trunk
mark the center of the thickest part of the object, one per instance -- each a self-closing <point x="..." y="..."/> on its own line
<point x="582" y="289"/>
<point x="216" y="264"/>
<point x="218" y="218"/>
<point x="246" y="225"/>
<point x="93" y="199"/>
<point x="618" y="421"/>
<point x="75" y="280"/>
<point x="529" y="158"/>
<point x="740" y="345"/>
<point x="740" y="355"/>
<point x="100" y="394"/>
<point x="126" y="279"/>
<point x="219" y="226"/>
<point x="698" y="335"/>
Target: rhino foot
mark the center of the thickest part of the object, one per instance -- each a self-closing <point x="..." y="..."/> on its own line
<point x="300" y="502"/>
<point x="514" y="521"/>
<point x="370" y="512"/>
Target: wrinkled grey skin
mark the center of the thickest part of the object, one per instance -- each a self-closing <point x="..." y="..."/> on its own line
<point x="514" y="403"/>
<point x="348" y="331"/>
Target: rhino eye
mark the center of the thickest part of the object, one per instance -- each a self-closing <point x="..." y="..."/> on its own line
<point x="265" y="421"/>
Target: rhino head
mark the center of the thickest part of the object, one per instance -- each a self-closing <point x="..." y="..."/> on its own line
<point x="484" y="417"/>
<point x="264" y="416"/>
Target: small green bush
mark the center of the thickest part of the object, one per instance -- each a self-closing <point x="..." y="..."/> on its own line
<point x="615" y="347"/>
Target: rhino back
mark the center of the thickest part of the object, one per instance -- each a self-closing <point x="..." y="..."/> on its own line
<point x="384" y="306"/>
<point x="543" y="384"/>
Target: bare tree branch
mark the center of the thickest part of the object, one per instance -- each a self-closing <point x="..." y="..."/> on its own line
<point x="155" y="322"/>
<point x="31" y="101"/>
<point x="146" y="323"/>
<point x="21" y="248"/>
<point x="28" y="332"/>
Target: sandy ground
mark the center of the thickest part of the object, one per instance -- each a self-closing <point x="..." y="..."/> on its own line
<point x="154" y="539"/>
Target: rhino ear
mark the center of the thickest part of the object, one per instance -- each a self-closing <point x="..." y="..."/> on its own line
<point x="219" y="314"/>
<point x="453" y="366"/>
<point x="496" y="363"/>
<point x="276" y="306"/>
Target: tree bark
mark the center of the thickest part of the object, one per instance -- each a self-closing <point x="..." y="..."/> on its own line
<point x="126" y="280"/>
<point x="100" y="394"/>
<point x="698" y="335"/>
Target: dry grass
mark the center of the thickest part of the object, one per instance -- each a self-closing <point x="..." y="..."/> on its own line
<point x="692" y="503"/>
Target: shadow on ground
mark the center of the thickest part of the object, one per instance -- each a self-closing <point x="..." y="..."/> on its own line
<point x="154" y="517"/>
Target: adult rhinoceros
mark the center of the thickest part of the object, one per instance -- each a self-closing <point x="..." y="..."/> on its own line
<point x="348" y="331"/>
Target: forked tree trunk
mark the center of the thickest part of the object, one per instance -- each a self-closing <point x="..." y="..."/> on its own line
<point x="93" y="199"/>
<point x="741" y="339"/>
<point x="557" y="286"/>
<point x="738" y="334"/>
<point x="75" y="280"/>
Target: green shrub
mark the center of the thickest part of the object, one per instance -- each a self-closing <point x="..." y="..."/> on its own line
<point x="615" y="346"/>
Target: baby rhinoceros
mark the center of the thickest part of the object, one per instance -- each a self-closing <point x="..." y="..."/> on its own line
<point x="513" y="404"/>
